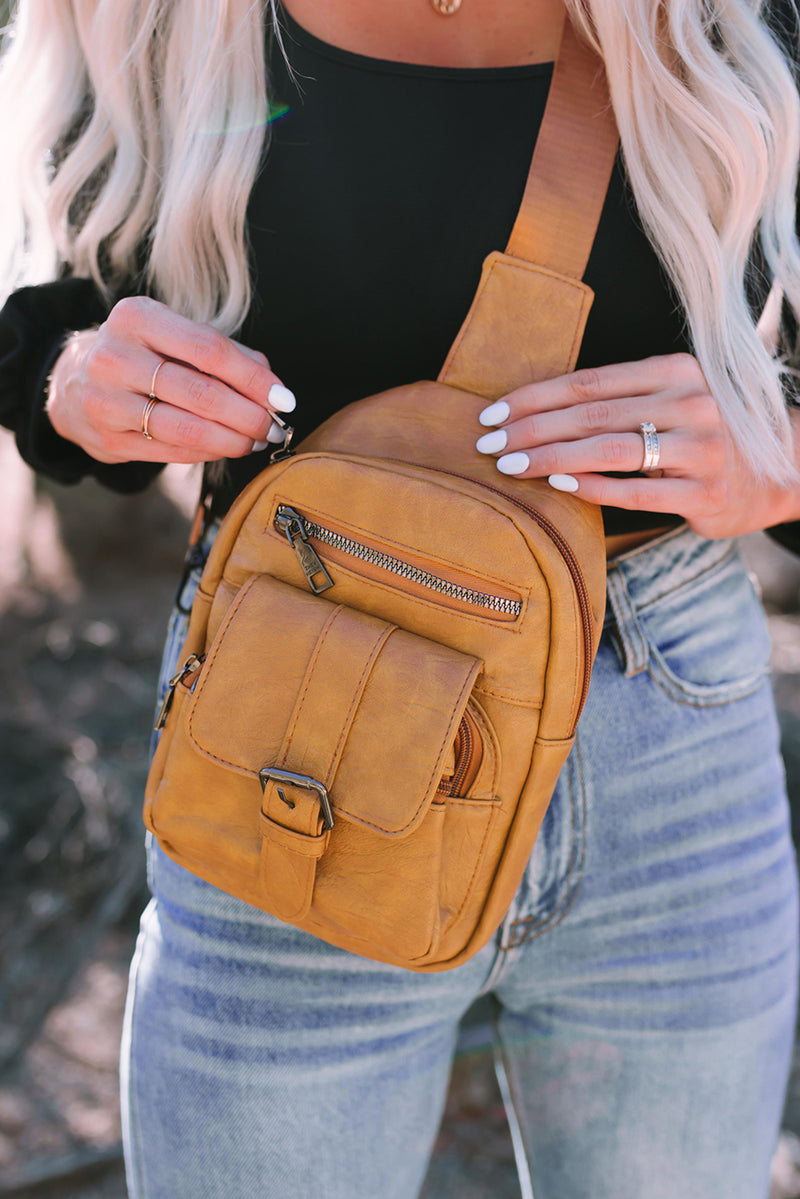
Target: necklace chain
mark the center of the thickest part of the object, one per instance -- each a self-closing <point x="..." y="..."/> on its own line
<point x="446" y="7"/>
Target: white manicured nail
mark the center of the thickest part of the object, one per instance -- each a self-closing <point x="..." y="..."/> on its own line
<point x="513" y="464"/>
<point x="563" y="482"/>
<point x="492" y="443"/>
<point x="276" y="434"/>
<point x="495" y="414"/>
<point x="280" y="398"/>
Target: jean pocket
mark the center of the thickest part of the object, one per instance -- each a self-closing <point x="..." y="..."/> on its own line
<point x="708" y="641"/>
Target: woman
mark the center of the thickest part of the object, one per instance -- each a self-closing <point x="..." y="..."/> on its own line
<point x="645" y="974"/>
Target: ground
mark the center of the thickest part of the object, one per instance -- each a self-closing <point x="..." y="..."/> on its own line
<point x="86" y="580"/>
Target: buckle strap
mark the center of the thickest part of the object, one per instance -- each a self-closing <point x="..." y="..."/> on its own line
<point x="296" y="813"/>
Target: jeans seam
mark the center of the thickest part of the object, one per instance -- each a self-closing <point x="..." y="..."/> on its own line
<point x="682" y="693"/>
<point x="132" y="1135"/>
<point x="501" y="1054"/>
<point x="630" y="643"/>
<point x="624" y="640"/>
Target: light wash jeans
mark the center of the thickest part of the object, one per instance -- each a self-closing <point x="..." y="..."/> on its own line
<point x="645" y="974"/>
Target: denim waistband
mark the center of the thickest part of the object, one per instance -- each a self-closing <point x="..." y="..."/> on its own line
<point x="642" y="577"/>
<point x="660" y="566"/>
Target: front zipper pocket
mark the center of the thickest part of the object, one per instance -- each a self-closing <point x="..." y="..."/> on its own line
<point x="301" y="532"/>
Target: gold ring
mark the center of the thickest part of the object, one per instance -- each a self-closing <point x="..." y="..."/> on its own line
<point x="148" y="409"/>
<point x="153" y="395"/>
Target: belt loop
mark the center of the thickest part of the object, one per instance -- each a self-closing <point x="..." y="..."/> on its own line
<point x="630" y="642"/>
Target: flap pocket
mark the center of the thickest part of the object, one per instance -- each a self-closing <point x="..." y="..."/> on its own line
<point x="369" y="711"/>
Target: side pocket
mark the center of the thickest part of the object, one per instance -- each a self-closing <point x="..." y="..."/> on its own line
<point x="708" y="640"/>
<point x="465" y="863"/>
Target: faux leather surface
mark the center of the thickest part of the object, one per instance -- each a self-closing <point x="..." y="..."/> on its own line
<point x="364" y="686"/>
<point x="335" y="694"/>
<point x="525" y="325"/>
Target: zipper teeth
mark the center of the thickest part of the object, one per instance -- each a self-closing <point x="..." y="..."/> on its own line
<point x="396" y="566"/>
<point x="466" y="747"/>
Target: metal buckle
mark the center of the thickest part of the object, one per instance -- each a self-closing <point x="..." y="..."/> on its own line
<point x="277" y="775"/>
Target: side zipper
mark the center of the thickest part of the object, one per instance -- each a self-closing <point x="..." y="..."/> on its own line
<point x="190" y="667"/>
<point x="468" y="756"/>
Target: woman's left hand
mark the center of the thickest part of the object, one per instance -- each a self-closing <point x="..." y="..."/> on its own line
<point x="582" y="424"/>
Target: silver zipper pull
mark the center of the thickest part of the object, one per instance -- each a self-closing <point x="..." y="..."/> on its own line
<point x="190" y="666"/>
<point x="293" y="526"/>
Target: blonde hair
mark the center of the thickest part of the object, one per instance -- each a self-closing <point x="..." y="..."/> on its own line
<point x="139" y="125"/>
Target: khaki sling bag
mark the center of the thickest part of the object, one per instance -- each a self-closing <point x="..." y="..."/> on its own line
<point x="391" y="644"/>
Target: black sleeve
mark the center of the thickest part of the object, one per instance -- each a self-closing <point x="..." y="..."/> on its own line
<point x="34" y="324"/>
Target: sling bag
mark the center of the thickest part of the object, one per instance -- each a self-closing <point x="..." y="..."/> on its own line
<point x="391" y="645"/>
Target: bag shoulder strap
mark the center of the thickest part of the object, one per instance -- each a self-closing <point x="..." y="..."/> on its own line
<point x="527" y="319"/>
<point x="571" y="164"/>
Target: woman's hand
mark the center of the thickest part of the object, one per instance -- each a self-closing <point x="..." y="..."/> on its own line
<point x="215" y="397"/>
<point x="579" y="425"/>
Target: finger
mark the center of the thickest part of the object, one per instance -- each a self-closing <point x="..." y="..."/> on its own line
<point x="624" y="379"/>
<point x="132" y="447"/>
<point x="580" y="422"/>
<point x="169" y="335"/>
<point x="257" y="355"/>
<point x="204" y="396"/>
<point x="280" y="398"/>
<point x="176" y="427"/>
<point x="275" y="436"/>
<point x="676" y="496"/>
<point x="679" y="454"/>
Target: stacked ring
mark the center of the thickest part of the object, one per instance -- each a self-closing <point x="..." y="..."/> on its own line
<point x="151" y="403"/>
<point x="148" y="408"/>
<point x="652" y="446"/>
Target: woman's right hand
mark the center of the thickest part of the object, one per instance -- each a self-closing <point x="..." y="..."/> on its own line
<point x="215" y="397"/>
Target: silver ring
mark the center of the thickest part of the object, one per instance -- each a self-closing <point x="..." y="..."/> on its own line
<point x="652" y="446"/>
<point x="148" y="409"/>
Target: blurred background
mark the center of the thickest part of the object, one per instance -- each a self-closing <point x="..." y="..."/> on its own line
<point x="86" y="582"/>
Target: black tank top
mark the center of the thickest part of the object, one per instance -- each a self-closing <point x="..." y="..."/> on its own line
<point x="383" y="188"/>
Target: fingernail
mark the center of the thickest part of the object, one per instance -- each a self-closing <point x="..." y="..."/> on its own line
<point x="495" y="414"/>
<point x="513" y="464"/>
<point x="492" y="443"/>
<point x="280" y="398"/>
<point x="275" y="435"/>
<point x="563" y="482"/>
